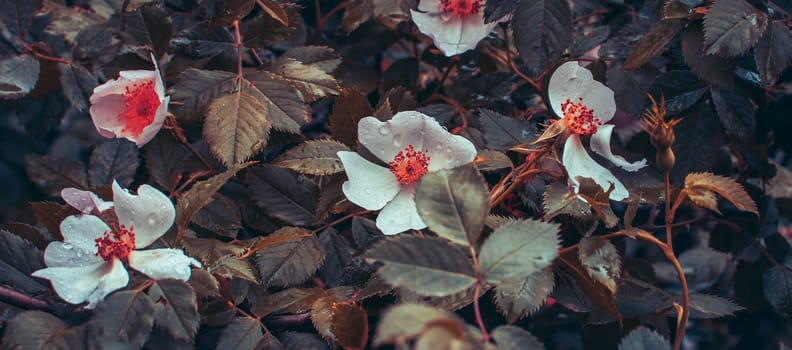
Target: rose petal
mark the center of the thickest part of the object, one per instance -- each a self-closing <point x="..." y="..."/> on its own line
<point x="86" y="202"/>
<point x="104" y="112"/>
<point x="579" y="164"/>
<point x="89" y="283"/>
<point x="163" y="263"/>
<point x="150" y="212"/>
<point x="451" y="34"/>
<point x="600" y="143"/>
<point x="446" y="150"/>
<point x="370" y="186"/>
<point x="81" y="231"/>
<point x="152" y="129"/>
<point x="60" y="254"/>
<point x="571" y="81"/>
<point x="400" y="214"/>
<point x="386" y="139"/>
<point x="430" y="6"/>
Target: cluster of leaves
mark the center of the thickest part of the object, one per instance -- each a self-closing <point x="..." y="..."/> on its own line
<point x="263" y="95"/>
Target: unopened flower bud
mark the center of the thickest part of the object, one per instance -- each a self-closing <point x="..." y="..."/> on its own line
<point x="661" y="133"/>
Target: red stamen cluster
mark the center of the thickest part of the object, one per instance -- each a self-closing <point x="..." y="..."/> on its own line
<point x="142" y="102"/>
<point x="461" y="8"/>
<point x="580" y="118"/>
<point x="409" y="165"/>
<point x="116" y="243"/>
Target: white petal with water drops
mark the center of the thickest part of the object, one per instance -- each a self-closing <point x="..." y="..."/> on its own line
<point x="150" y="212"/>
<point x="163" y="263"/>
<point x="579" y="164"/>
<point x="370" y="186"/>
<point x="400" y="214"/>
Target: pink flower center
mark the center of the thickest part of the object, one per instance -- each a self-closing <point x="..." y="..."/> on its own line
<point x="141" y="104"/>
<point x="116" y="243"/>
<point x="580" y="118"/>
<point x="461" y="8"/>
<point x="409" y="165"/>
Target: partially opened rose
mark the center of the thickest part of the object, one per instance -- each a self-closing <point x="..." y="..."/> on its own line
<point x="584" y="105"/>
<point x="455" y="26"/>
<point x="411" y="144"/>
<point x="133" y="106"/>
<point x="89" y="263"/>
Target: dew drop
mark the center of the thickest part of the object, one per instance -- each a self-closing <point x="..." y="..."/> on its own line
<point x="368" y="191"/>
<point x="384" y="131"/>
<point x="68" y="246"/>
<point x="75" y="193"/>
<point x="152" y="219"/>
<point x="438" y="147"/>
<point x="397" y="140"/>
<point x="84" y="199"/>
<point x="449" y="150"/>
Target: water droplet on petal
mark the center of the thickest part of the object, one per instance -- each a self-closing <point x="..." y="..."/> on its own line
<point x="368" y="191"/>
<point x="384" y="131"/>
<point x="438" y="147"/>
<point x="397" y="140"/>
<point x="75" y="193"/>
<point x="68" y="246"/>
<point x="152" y="219"/>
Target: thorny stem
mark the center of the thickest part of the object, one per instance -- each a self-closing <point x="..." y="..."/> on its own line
<point x="239" y="47"/>
<point x="171" y="124"/>
<point x="668" y="250"/>
<point x="514" y="180"/>
<point x="321" y="21"/>
<point x="514" y="67"/>
<point x="19" y="299"/>
<point x="477" y="294"/>
<point x="340" y="220"/>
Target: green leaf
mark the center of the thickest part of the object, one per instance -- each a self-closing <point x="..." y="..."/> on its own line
<point x="18" y="259"/>
<point x="290" y="300"/>
<point x="518" y="249"/>
<point x="204" y="283"/>
<point x="285" y="106"/>
<point x="711" y="68"/>
<point x="510" y="337"/>
<point x="115" y="159"/>
<point x="558" y="200"/>
<point x="502" y="132"/>
<point x="292" y="258"/>
<point x="196" y="89"/>
<point x="711" y="306"/>
<point x="350" y="325"/>
<point x="519" y="299"/>
<point x="731" y="27"/>
<point x="299" y="340"/>
<point x="315" y="157"/>
<point x="127" y="316"/>
<point x="165" y="159"/>
<point x="201" y="194"/>
<point x="221" y="216"/>
<point x="78" y="84"/>
<point x="209" y="250"/>
<point x="284" y="194"/>
<point x="242" y="334"/>
<point x="322" y="57"/>
<point x="488" y="160"/>
<point x="348" y="109"/>
<point x="736" y="111"/>
<point x="601" y="260"/>
<point x="454" y="203"/>
<point x="236" y="127"/>
<point x="18" y="75"/>
<point x="52" y="174"/>
<point x="423" y="265"/>
<point x="310" y="79"/>
<point x="264" y="30"/>
<point x="542" y="31"/>
<point x="147" y="28"/>
<point x="653" y="43"/>
<point x="40" y="330"/>
<point x="176" y="309"/>
<point x="773" y="52"/>
<point x="644" y="338"/>
<point x="701" y="186"/>
<point x="233" y="267"/>
<point x="407" y="320"/>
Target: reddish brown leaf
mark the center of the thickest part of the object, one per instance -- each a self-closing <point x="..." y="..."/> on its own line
<point x="350" y="325"/>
